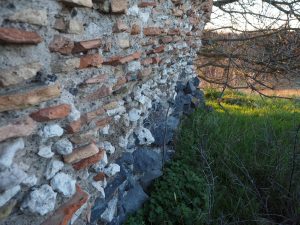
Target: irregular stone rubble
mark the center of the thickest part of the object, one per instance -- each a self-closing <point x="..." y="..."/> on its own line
<point x="91" y="93"/>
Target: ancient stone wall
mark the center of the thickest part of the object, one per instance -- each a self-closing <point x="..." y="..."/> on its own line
<point x="91" y="93"/>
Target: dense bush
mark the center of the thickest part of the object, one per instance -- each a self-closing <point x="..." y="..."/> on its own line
<point x="235" y="165"/>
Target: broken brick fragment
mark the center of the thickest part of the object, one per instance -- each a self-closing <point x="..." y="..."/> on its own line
<point x="159" y="49"/>
<point x="119" y="6"/>
<point x="152" y="31"/>
<point x="84" y="46"/>
<point x="131" y="57"/>
<point x="120" y="82"/>
<point x="28" y="97"/>
<point x="87" y="162"/>
<point x="74" y="126"/>
<point x="99" y="177"/>
<point x="65" y="212"/>
<point x="18" y="128"/>
<point x="51" y="113"/>
<point x="61" y="44"/>
<point x="102" y="92"/>
<point x="17" y="36"/>
<point x="118" y="60"/>
<point x="135" y="29"/>
<point x="174" y="31"/>
<point x="96" y="79"/>
<point x="147" y="4"/>
<point x="81" y="153"/>
<point x="92" y="60"/>
<point x="119" y="26"/>
<point x="166" y="40"/>
<point x="103" y="122"/>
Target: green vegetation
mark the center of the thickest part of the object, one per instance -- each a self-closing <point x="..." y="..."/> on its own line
<point x="236" y="164"/>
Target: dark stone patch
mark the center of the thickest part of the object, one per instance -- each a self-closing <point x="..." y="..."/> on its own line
<point x="164" y="133"/>
<point x="149" y="177"/>
<point x="134" y="199"/>
<point x="146" y="160"/>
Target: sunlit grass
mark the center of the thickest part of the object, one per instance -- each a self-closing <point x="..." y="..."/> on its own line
<point x="240" y="157"/>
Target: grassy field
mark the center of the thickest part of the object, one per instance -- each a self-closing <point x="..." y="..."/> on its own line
<point x="236" y="164"/>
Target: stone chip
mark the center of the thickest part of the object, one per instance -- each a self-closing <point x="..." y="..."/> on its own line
<point x="8" y="150"/>
<point x="86" y="3"/>
<point x="64" y="184"/>
<point x="11" y="177"/>
<point x="53" y="167"/>
<point x="18" y="74"/>
<point x="41" y="200"/>
<point x="119" y="6"/>
<point x="33" y="16"/>
<point x="8" y="194"/>
<point x="18" y="128"/>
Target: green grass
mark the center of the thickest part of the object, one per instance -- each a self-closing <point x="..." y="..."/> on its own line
<point x="232" y="165"/>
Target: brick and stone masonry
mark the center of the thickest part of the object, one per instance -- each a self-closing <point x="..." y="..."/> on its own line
<point x="91" y="92"/>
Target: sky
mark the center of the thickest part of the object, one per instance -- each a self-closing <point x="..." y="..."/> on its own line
<point x="221" y="19"/>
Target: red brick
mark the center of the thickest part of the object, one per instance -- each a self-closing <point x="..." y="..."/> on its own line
<point x="152" y="60"/>
<point x="119" y="6"/>
<point x="194" y="20"/>
<point x="18" y="128"/>
<point x="51" y="113"/>
<point x="60" y="24"/>
<point x="92" y="115"/>
<point x="159" y="49"/>
<point x="146" y="61"/>
<point x="112" y="61"/>
<point x="166" y="40"/>
<point x="28" y="97"/>
<point x="146" y="72"/>
<point x="135" y="29"/>
<point x="81" y="153"/>
<point x="150" y="41"/>
<point x="147" y="4"/>
<point x="96" y="79"/>
<point x="93" y="60"/>
<point x="107" y="45"/>
<point x="99" y="177"/>
<point x="102" y="92"/>
<point x="176" y="39"/>
<point x="85" y="163"/>
<point x="118" y="60"/>
<point x="155" y="60"/>
<point x="64" y="213"/>
<point x="119" y="26"/>
<point x="173" y="32"/>
<point x="84" y="46"/>
<point x="74" y="126"/>
<point x="152" y="31"/>
<point x="90" y="136"/>
<point x="16" y="36"/>
<point x="103" y="122"/>
<point x="131" y="57"/>
<point x="177" y="12"/>
<point x="61" y="44"/>
<point x="120" y="82"/>
<point x="111" y="105"/>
